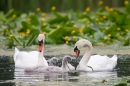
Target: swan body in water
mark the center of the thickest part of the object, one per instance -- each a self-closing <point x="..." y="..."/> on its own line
<point x="96" y="62"/>
<point x="51" y="69"/>
<point x="24" y="59"/>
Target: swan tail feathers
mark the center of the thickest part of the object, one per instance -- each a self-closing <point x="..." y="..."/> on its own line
<point x="114" y="58"/>
<point x="16" y="53"/>
<point x="16" y="50"/>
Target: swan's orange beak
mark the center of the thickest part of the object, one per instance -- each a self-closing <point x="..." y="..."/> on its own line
<point x="40" y="47"/>
<point x="77" y="51"/>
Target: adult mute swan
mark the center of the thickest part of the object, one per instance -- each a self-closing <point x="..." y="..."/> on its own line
<point x="51" y="69"/>
<point x="97" y="62"/>
<point x="24" y="59"/>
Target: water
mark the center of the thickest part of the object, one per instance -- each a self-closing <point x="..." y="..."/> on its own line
<point x="9" y="76"/>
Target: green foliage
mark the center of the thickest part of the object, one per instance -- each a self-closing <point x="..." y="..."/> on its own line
<point x="123" y="82"/>
<point x="103" y="27"/>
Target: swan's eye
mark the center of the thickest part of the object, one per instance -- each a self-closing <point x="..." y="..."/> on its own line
<point x="75" y="49"/>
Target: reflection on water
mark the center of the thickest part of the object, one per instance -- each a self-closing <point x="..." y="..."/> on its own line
<point x="11" y="76"/>
<point x="20" y="74"/>
<point x="123" y="66"/>
<point x="6" y="68"/>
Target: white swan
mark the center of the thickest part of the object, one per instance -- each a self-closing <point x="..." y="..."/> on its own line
<point x="51" y="69"/>
<point x="24" y="59"/>
<point x="97" y="62"/>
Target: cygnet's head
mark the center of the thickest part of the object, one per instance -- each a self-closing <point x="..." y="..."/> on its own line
<point x="54" y="60"/>
<point x="67" y="58"/>
<point x="41" y="40"/>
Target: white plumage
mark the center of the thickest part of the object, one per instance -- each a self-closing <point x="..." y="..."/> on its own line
<point x="24" y="59"/>
<point x="97" y="62"/>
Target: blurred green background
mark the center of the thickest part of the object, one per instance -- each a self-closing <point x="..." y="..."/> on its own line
<point x="61" y="5"/>
<point x="103" y="22"/>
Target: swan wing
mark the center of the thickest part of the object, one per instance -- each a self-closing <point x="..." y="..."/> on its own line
<point x="28" y="59"/>
<point x="35" y="54"/>
<point x="102" y="63"/>
<point x="97" y="60"/>
<point x="114" y="58"/>
<point x="45" y="62"/>
<point x="25" y="59"/>
<point x="16" y="51"/>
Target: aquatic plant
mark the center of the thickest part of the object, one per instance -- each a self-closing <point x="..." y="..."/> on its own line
<point x="122" y="82"/>
<point x="102" y="27"/>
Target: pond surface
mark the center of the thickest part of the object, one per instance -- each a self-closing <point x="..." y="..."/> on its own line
<point x="9" y="76"/>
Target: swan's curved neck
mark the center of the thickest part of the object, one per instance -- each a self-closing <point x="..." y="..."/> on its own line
<point x="40" y="58"/>
<point x="87" y="55"/>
